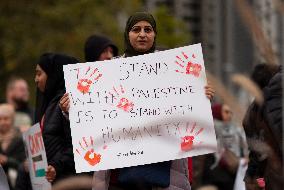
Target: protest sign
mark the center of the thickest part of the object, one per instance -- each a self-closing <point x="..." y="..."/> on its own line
<point x="241" y="172"/>
<point x="36" y="158"/>
<point x="139" y="110"/>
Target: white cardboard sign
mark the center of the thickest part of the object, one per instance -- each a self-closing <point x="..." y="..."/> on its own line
<point x="139" y="110"/>
<point x="36" y="158"/>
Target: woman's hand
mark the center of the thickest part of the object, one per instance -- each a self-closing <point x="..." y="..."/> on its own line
<point x="50" y="173"/>
<point x="209" y="91"/>
<point x="64" y="103"/>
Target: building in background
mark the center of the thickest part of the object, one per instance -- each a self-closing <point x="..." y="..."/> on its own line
<point x="187" y="10"/>
<point x="227" y="43"/>
<point x="272" y="22"/>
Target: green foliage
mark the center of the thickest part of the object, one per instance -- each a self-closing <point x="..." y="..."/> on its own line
<point x="171" y="31"/>
<point x="28" y="29"/>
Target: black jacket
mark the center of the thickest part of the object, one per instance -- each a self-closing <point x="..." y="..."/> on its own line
<point x="263" y="126"/>
<point x="15" y="153"/>
<point x="57" y="140"/>
<point x="273" y="109"/>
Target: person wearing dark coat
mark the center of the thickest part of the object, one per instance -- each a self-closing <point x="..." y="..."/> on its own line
<point x="99" y="48"/>
<point x="17" y="94"/>
<point x="273" y="98"/>
<point x="263" y="128"/>
<point x="55" y="128"/>
<point x="12" y="151"/>
<point x="273" y="108"/>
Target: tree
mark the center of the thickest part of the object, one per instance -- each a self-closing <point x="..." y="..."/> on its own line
<point x="171" y="31"/>
<point x="29" y="29"/>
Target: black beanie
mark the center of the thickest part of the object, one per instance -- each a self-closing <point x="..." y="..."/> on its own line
<point x="132" y="20"/>
<point x="95" y="45"/>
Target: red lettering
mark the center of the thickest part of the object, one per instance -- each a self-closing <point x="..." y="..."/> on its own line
<point x="36" y="143"/>
<point x="40" y="140"/>
<point x="31" y="143"/>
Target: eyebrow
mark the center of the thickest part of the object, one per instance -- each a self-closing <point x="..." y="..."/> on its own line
<point x="149" y="26"/>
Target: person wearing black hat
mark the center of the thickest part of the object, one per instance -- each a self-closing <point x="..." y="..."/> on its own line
<point x="55" y="128"/>
<point x="99" y="48"/>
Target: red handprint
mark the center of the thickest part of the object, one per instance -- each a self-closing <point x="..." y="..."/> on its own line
<point x="122" y="103"/>
<point x="84" y="84"/>
<point x="90" y="155"/>
<point x="188" y="140"/>
<point x="187" y="143"/>
<point x="92" y="158"/>
<point x="190" y="68"/>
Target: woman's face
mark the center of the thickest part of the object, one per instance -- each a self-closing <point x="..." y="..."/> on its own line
<point x="107" y="54"/>
<point x="6" y="122"/>
<point x="142" y="36"/>
<point x="227" y="114"/>
<point x="40" y="78"/>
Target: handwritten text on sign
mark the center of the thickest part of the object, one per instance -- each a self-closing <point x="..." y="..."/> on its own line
<point x="139" y="110"/>
<point x="36" y="157"/>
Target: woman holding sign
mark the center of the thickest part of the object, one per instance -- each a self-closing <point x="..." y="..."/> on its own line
<point x="55" y="128"/>
<point x="140" y="38"/>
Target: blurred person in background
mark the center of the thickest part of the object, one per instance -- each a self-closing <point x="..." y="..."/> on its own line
<point x="220" y="168"/>
<point x="17" y="94"/>
<point x="263" y="127"/>
<point x="12" y="151"/>
<point x="99" y="48"/>
<point x="230" y="136"/>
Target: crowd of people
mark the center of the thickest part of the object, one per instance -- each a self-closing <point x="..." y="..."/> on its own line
<point x="262" y="127"/>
